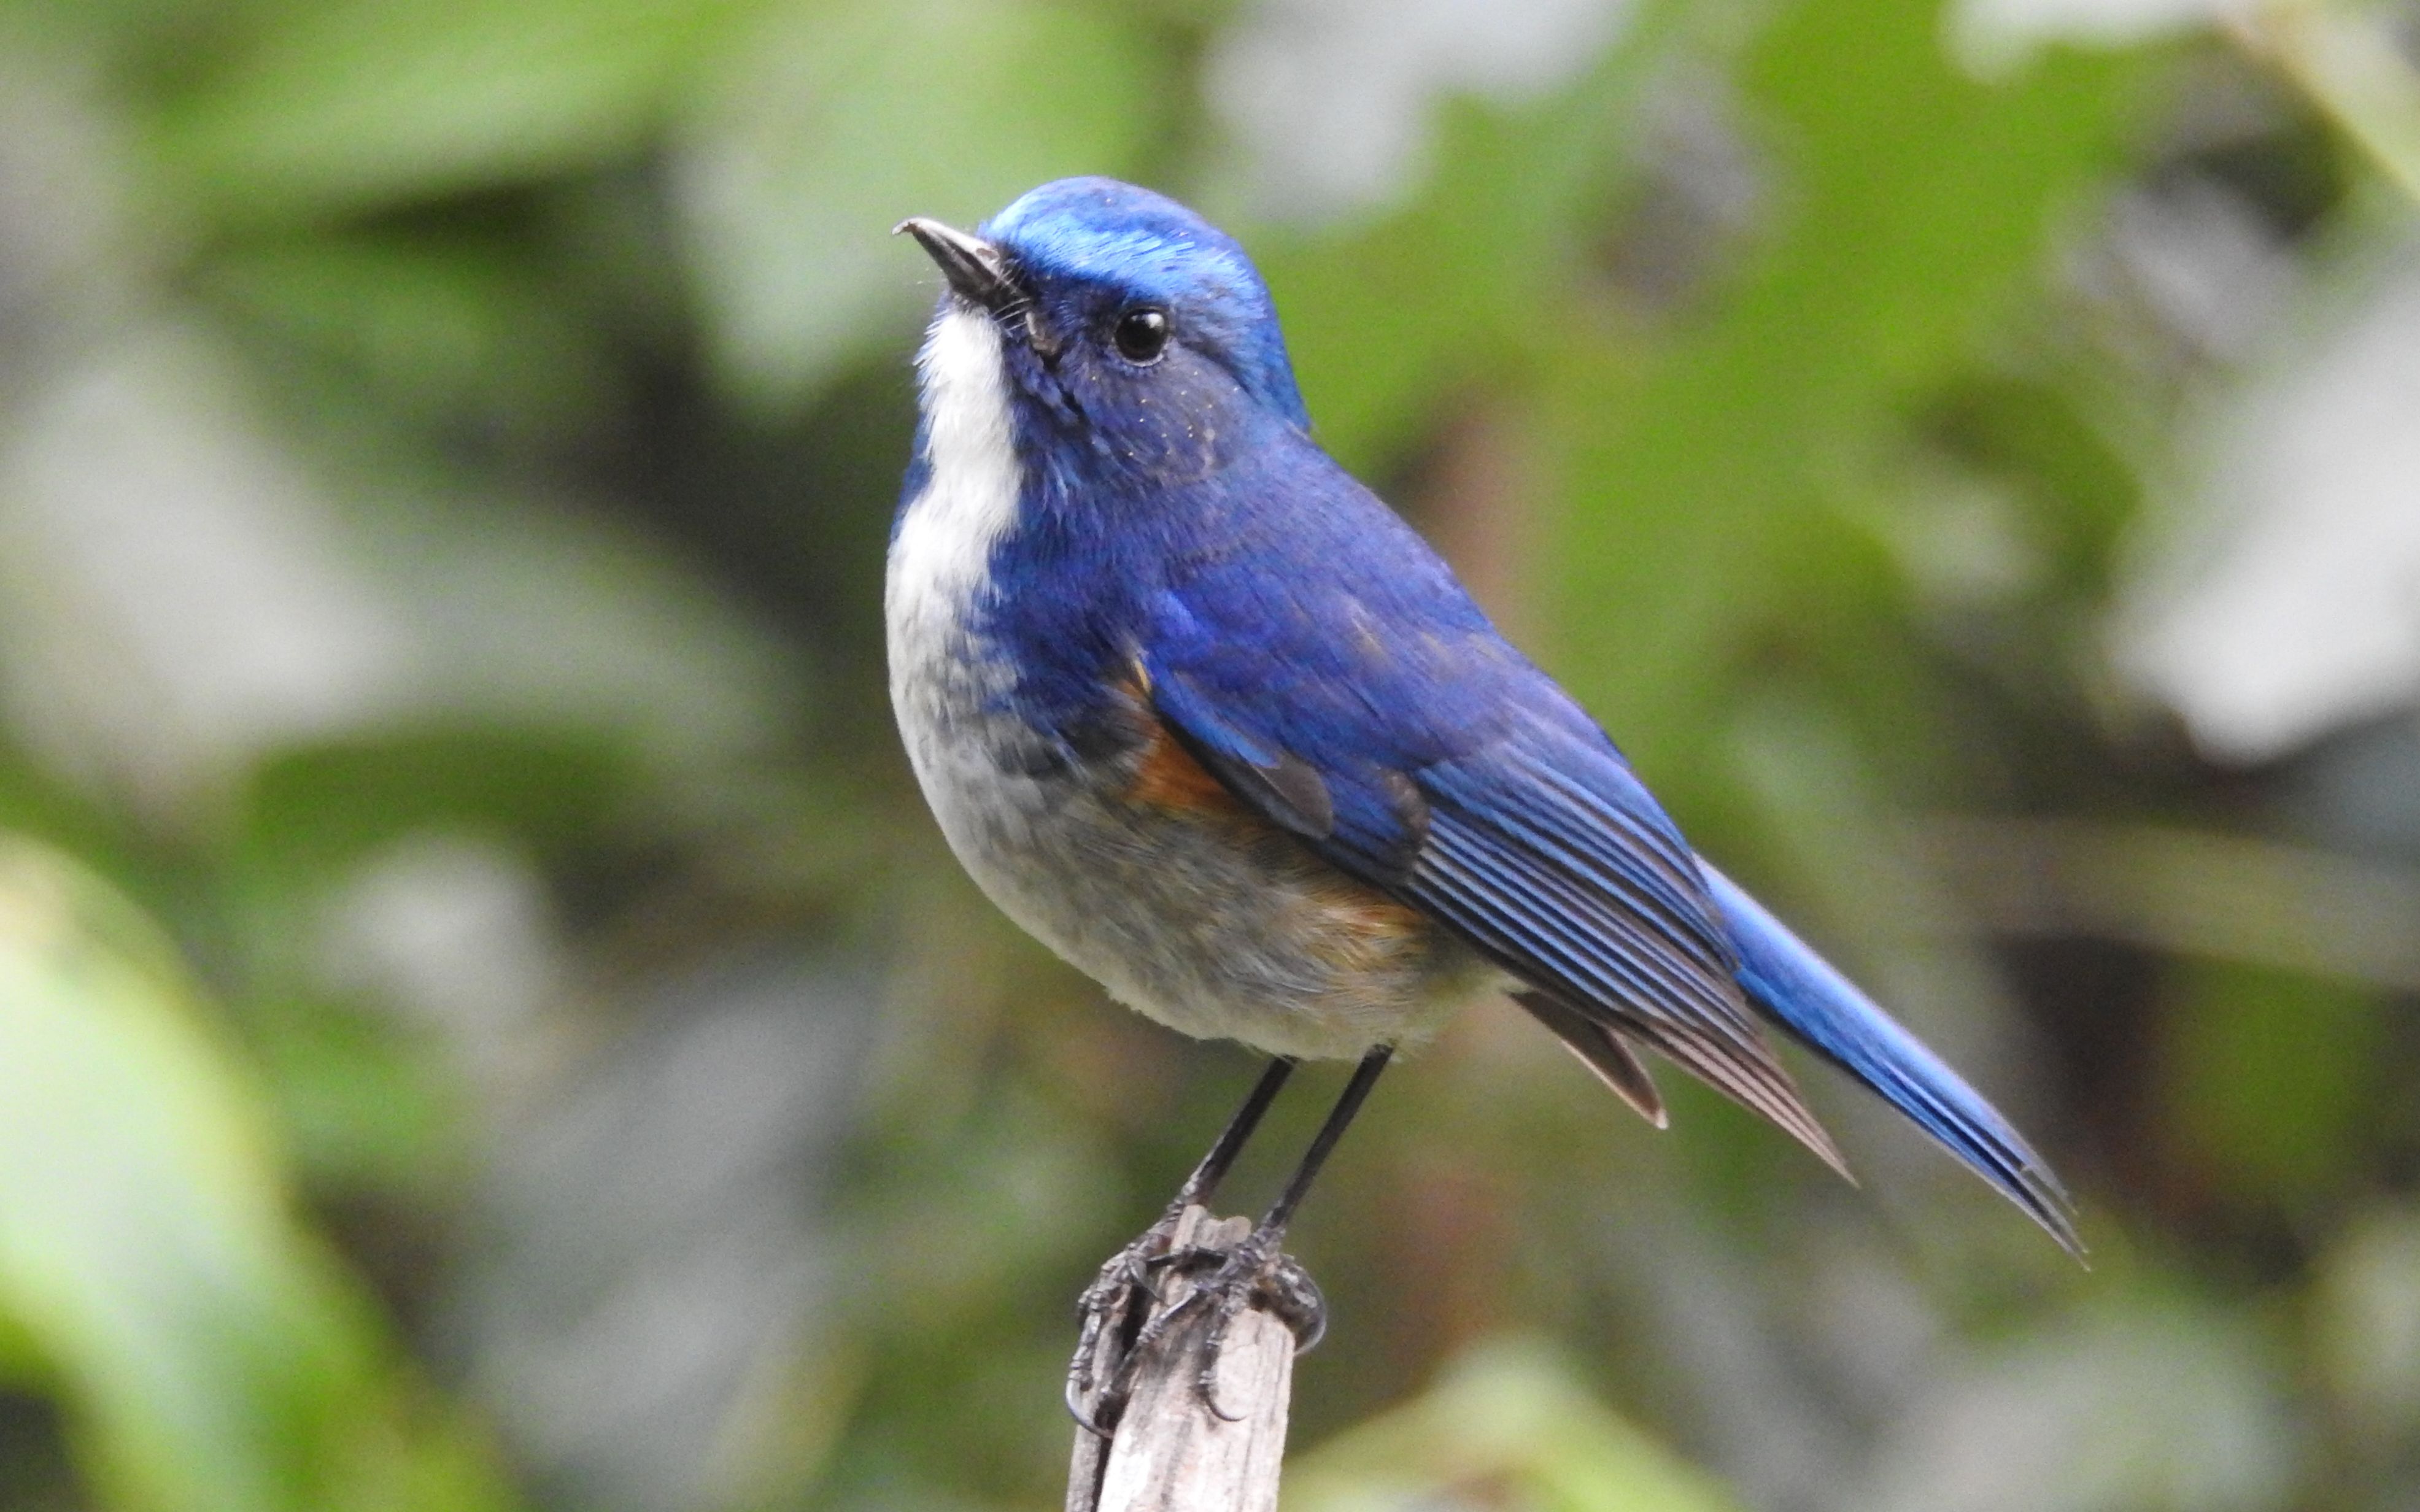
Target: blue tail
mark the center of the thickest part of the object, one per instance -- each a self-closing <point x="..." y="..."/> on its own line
<point x="1803" y="993"/>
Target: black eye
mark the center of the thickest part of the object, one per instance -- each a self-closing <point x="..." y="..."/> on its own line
<point x="1141" y="335"/>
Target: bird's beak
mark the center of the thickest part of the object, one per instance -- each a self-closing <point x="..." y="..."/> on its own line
<point x="973" y="266"/>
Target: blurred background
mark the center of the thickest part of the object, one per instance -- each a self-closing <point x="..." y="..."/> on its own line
<point x="487" y="1023"/>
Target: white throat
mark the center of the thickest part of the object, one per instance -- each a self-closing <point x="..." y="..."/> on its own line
<point x="941" y="552"/>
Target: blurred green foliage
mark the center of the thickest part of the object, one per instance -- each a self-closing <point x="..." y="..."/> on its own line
<point x="212" y="1354"/>
<point x="484" y="1020"/>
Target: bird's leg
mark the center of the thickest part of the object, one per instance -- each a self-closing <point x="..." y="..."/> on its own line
<point x="1258" y="1269"/>
<point x="1111" y="1299"/>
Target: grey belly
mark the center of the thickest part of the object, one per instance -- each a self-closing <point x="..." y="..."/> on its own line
<point x="1213" y="924"/>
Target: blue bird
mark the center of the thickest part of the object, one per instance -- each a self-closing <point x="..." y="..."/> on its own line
<point x="1199" y="711"/>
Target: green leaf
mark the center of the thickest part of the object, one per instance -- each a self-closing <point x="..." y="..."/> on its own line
<point x="456" y="331"/>
<point x="826" y="125"/>
<point x="2268" y="1080"/>
<point x="2365" y="1326"/>
<point x="313" y="809"/>
<point x="2145" y="1400"/>
<point x="1908" y="203"/>
<point x="340" y="106"/>
<point x="210" y="1355"/>
<point x="1509" y="1426"/>
<point x="1384" y="320"/>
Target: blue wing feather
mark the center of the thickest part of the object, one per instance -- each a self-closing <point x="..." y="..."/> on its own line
<point x="1459" y="777"/>
<point x="1576" y="924"/>
<point x="1824" y="1011"/>
<point x="1320" y="636"/>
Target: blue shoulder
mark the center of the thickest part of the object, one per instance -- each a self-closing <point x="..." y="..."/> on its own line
<point x="1317" y="626"/>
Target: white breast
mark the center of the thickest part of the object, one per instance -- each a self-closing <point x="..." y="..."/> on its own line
<point x="940" y="557"/>
<point x="945" y="680"/>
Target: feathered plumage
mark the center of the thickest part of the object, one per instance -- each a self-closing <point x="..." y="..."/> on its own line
<point x="1182" y="565"/>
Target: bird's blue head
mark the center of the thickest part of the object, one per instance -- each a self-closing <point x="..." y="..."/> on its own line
<point x="1127" y="327"/>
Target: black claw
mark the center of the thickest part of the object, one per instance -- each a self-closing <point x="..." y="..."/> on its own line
<point x="1231" y="1299"/>
<point x="1074" y="1401"/>
<point x="1109" y="1305"/>
<point x="1290" y="1293"/>
<point x="1080" y="1370"/>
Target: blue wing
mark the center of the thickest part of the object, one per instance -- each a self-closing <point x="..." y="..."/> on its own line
<point x="1360" y="699"/>
<point x="1327" y="667"/>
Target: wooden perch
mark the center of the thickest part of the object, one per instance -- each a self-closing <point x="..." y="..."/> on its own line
<point x="1168" y="1451"/>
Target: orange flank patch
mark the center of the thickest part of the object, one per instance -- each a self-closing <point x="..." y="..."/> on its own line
<point x="1363" y="939"/>
<point x="1168" y="776"/>
<point x="1367" y="921"/>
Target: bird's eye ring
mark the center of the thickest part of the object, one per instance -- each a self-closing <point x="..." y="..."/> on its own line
<point x="1141" y="335"/>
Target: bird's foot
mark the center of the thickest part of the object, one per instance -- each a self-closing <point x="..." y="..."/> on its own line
<point x="1112" y="1312"/>
<point x="1120" y="1328"/>
<point x="1224" y="1283"/>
